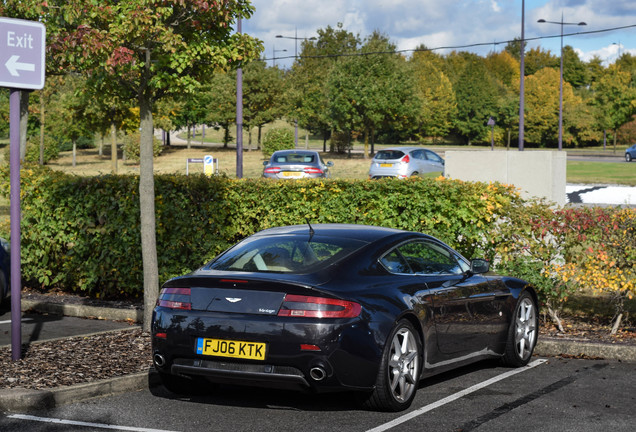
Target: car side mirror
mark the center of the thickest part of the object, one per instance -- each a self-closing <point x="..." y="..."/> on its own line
<point x="479" y="265"/>
<point x="265" y="163"/>
<point x="329" y="164"/>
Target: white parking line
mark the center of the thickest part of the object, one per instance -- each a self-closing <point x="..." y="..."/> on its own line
<point x="79" y="423"/>
<point x="453" y="397"/>
<point x="23" y="320"/>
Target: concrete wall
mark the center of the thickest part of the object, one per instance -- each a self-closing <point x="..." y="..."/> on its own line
<point x="536" y="173"/>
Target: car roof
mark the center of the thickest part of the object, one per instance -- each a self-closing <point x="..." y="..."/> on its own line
<point x="404" y="148"/>
<point x="353" y="231"/>
<point x="279" y="152"/>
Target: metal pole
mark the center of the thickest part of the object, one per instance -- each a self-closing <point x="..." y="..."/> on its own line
<point x="522" y="81"/>
<point x="239" y="116"/>
<point x="561" y="91"/>
<point x="14" y="177"/>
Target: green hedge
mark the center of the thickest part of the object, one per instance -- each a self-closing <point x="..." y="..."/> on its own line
<point x="82" y="233"/>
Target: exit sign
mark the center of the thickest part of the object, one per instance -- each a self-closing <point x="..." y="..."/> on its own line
<point x="22" y="46"/>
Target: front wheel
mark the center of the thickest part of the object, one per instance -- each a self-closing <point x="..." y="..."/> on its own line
<point x="628" y="157"/>
<point x="399" y="372"/>
<point x="522" y="334"/>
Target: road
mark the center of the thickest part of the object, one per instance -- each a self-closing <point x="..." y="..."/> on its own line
<point x="554" y="395"/>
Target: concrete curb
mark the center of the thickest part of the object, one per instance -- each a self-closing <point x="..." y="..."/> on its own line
<point x="74" y="310"/>
<point x="23" y="400"/>
<point x="550" y="347"/>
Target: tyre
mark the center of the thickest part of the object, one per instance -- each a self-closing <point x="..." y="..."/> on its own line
<point x="523" y="331"/>
<point x="182" y="385"/>
<point x="628" y="157"/>
<point x="399" y="372"/>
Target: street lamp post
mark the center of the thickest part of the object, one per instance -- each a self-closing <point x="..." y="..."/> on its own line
<point x="561" y="23"/>
<point x="274" y="51"/>
<point x="295" y="38"/>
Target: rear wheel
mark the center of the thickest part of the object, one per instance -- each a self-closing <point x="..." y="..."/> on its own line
<point x="522" y="334"/>
<point x="628" y="157"/>
<point x="399" y="372"/>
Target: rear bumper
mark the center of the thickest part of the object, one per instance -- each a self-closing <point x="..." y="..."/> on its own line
<point x="348" y="356"/>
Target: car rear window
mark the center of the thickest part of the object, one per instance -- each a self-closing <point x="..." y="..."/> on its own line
<point x="389" y="154"/>
<point x="294" y="158"/>
<point x="285" y="254"/>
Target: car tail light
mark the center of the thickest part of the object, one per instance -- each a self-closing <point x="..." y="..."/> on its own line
<point x="175" y="298"/>
<point x="272" y="170"/>
<point x="406" y="159"/>
<point x="318" y="307"/>
<point x="312" y="170"/>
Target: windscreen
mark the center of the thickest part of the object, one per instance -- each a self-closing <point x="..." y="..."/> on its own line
<point x="292" y="158"/>
<point x="389" y="154"/>
<point x="285" y="254"/>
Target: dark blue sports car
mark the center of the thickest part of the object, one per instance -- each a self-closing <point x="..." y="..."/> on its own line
<point x="338" y="307"/>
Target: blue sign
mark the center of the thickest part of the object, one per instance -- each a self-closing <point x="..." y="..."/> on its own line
<point x="22" y="45"/>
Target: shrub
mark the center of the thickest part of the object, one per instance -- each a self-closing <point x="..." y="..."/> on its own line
<point x="277" y="139"/>
<point x="51" y="149"/>
<point x="131" y="146"/>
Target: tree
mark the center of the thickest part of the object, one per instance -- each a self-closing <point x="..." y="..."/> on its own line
<point x="476" y="95"/>
<point x="150" y="49"/>
<point x="262" y="102"/>
<point x="436" y="97"/>
<point x="371" y="90"/>
<point x="222" y="103"/>
<point x="574" y="70"/>
<point x="615" y="96"/>
<point x="542" y="108"/>
<point x="307" y="94"/>
<point x="536" y="59"/>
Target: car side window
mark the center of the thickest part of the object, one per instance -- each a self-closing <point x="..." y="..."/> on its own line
<point x="395" y="263"/>
<point x="424" y="257"/>
<point x="433" y="157"/>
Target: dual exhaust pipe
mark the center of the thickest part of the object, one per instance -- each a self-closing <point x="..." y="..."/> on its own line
<point x="316" y="373"/>
<point x="159" y="360"/>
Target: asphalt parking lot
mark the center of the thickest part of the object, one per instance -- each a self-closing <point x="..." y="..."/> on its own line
<point x="554" y="395"/>
<point x="43" y="326"/>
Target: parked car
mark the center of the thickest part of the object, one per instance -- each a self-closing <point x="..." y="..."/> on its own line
<point x="295" y="164"/>
<point x="630" y="153"/>
<point x="338" y="307"/>
<point x="5" y="267"/>
<point x="404" y="162"/>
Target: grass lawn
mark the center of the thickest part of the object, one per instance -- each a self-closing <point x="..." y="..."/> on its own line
<point x="602" y="172"/>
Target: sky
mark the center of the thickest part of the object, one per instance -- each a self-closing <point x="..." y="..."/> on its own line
<point x="449" y="23"/>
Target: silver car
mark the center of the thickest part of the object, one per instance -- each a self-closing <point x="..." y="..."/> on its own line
<point x="405" y="162"/>
<point x="296" y="164"/>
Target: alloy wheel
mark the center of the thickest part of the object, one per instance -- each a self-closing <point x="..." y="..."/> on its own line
<point x="404" y="365"/>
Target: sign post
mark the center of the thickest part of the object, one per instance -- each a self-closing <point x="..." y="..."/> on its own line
<point x="22" y="66"/>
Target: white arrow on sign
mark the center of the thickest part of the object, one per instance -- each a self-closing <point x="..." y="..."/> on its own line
<point x="13" y="66"/>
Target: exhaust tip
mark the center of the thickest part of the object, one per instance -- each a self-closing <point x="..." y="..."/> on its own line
<point x="317" y="374"/>
<point x="159" y="360"/>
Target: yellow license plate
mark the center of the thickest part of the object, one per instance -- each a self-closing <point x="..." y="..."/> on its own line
<point x="386" y="165"/>
<point x="291" y="174"/>
<point x="230" y="348"/>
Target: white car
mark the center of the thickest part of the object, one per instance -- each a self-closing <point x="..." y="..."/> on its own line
<point x="405" y="162"/>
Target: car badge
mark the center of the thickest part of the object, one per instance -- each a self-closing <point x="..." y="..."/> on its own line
<point x="233" y="299"/>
